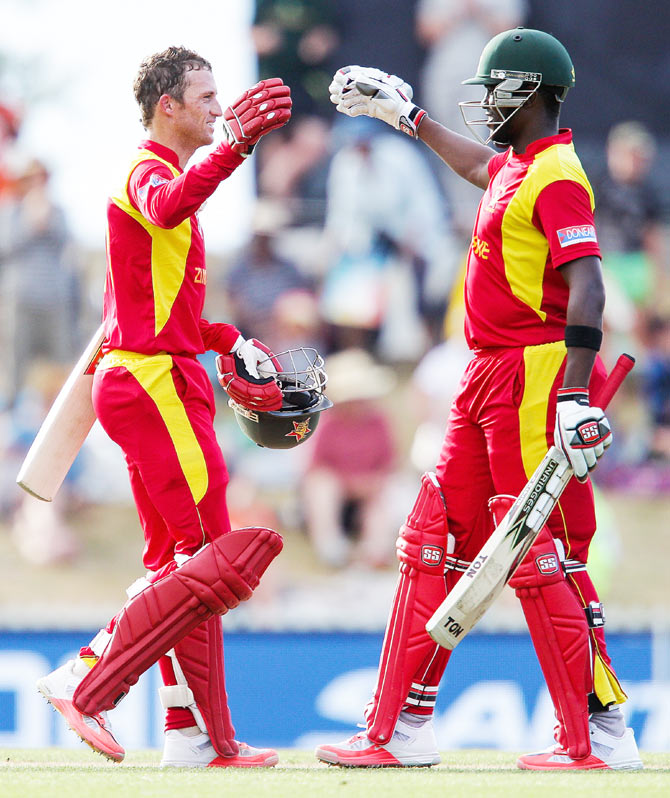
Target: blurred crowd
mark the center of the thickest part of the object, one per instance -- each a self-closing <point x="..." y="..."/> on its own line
<point x="358" y="247"/>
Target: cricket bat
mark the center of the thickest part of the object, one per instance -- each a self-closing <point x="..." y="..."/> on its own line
<point x="64" y="430"/>
<point x="511" y="540"/>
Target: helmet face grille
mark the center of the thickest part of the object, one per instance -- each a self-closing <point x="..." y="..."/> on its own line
<point x="296" y="370"/>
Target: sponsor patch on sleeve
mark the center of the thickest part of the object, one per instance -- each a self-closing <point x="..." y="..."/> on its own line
<point x="580" y="234"/>
<point x="157" y="180"/>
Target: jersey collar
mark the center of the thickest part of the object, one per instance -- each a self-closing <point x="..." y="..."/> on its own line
<point x="564" y="136"/>
<point x="161" y="150"/>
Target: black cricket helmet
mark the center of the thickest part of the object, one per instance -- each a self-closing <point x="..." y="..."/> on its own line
<point x="301" y="377"/>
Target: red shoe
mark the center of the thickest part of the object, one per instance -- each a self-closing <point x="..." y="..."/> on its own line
<point x="248" y="757"/>
<point x="95" y="730"/>
<point x="191" y="748"/>
<point x="607" y="753"/>
<point x="410" y="746"/>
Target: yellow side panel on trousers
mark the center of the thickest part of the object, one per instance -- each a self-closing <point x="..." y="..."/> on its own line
<point x="541" y="367"/>
<point x="153" y="374"/>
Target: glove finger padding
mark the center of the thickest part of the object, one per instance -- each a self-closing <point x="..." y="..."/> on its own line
<point x="344" y="80"/>
<point x="261" y="109"/>
<point x="369" y="91"/>
<point x="254" y="121"/>
<point x="254" y="393"/>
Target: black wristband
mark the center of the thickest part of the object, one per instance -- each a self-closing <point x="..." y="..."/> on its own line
<point x="580" y="335"/>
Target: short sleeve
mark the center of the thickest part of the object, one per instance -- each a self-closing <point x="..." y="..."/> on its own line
<point x="563" y="212"/>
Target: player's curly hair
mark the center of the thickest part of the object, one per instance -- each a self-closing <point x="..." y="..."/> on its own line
<point x="164" y="73"/>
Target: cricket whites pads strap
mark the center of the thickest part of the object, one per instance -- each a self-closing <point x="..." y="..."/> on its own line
<point x="213" y="581"/>
<point x="559" y="632"/>
<point x="197" y="661"/>
<point x="408" y="650"/>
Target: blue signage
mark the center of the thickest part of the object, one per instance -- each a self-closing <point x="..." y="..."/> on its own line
<point x="301" y="689"/>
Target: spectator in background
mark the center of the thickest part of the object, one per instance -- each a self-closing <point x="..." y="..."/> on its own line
<point x="293" y="39"/>
<point x="434" y="383"/>
<point x="297" y="321"/>
<point x="10" y="124"/>
<point x="351" y="459"/>
<point x="656" y="386"/>
<point x="259" y="276"/>
<point x="40" y="530"/>
<point x="39" y="278"/>
<point x="628" y="216"/>
<point x="294" y="169"/>
<point x="392" y="256"/>
<point x="453" y="31"/>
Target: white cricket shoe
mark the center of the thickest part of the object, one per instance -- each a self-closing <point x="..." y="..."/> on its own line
<point x="410" y="746"/>
<point x="183" y="750"/>
<point x="607" y="752"/>
<point x="95" y="730"/>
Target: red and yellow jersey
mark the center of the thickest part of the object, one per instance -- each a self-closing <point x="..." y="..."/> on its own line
<point x="156" y="268"/>
<point x="535" y="216"/>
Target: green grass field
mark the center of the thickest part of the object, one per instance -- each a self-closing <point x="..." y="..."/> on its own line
<point x="60" y="773"/>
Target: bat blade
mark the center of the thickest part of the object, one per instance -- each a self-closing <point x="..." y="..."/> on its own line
<point x="489" y="572"/>
<point x="64" y="429"/>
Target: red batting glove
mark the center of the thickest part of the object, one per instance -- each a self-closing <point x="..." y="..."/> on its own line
<point x="239" y="375"/>
<point x="261" y="109"/>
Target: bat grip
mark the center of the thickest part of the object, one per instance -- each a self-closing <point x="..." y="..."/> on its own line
<point x="618" y="374"/>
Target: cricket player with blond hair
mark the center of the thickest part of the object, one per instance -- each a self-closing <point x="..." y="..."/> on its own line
<point x="154" y="398"/>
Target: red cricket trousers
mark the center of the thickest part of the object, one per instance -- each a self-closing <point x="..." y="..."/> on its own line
<point x="160" y="410"/>
<point x="500" y="427"/>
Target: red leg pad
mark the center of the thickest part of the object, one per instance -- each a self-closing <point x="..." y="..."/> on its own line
<point x="200" y="656"/>
<point x="559" y="632"/>
<point x="216" y="579"/>
<point x="421" y="549"/>
<point x="426" y="681"/>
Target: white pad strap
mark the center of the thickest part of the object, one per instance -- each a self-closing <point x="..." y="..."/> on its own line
<point x="560" y="549"/>
<point x="137" y="587"/>
<point x="99" y="642"/>
<point x="180" y="694"/>
<point x="176" y="695"/>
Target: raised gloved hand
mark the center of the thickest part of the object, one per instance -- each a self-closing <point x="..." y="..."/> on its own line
<point x="261" y="109"/>
<point x="239" y="375"/>
<point x="582" y="432"/>
<point x="367" y="91"/>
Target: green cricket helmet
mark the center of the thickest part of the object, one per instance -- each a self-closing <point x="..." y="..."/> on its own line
<point x="513" y="65"/>
<point x="301" y="378"/>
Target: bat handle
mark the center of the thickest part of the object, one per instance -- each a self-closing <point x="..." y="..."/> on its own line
<point x="618" y="374"/>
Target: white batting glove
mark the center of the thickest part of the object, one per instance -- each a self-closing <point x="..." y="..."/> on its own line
<point x="582" y="432"/>
<point x="252" y="353"/>
<point x="366" y="91"/>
